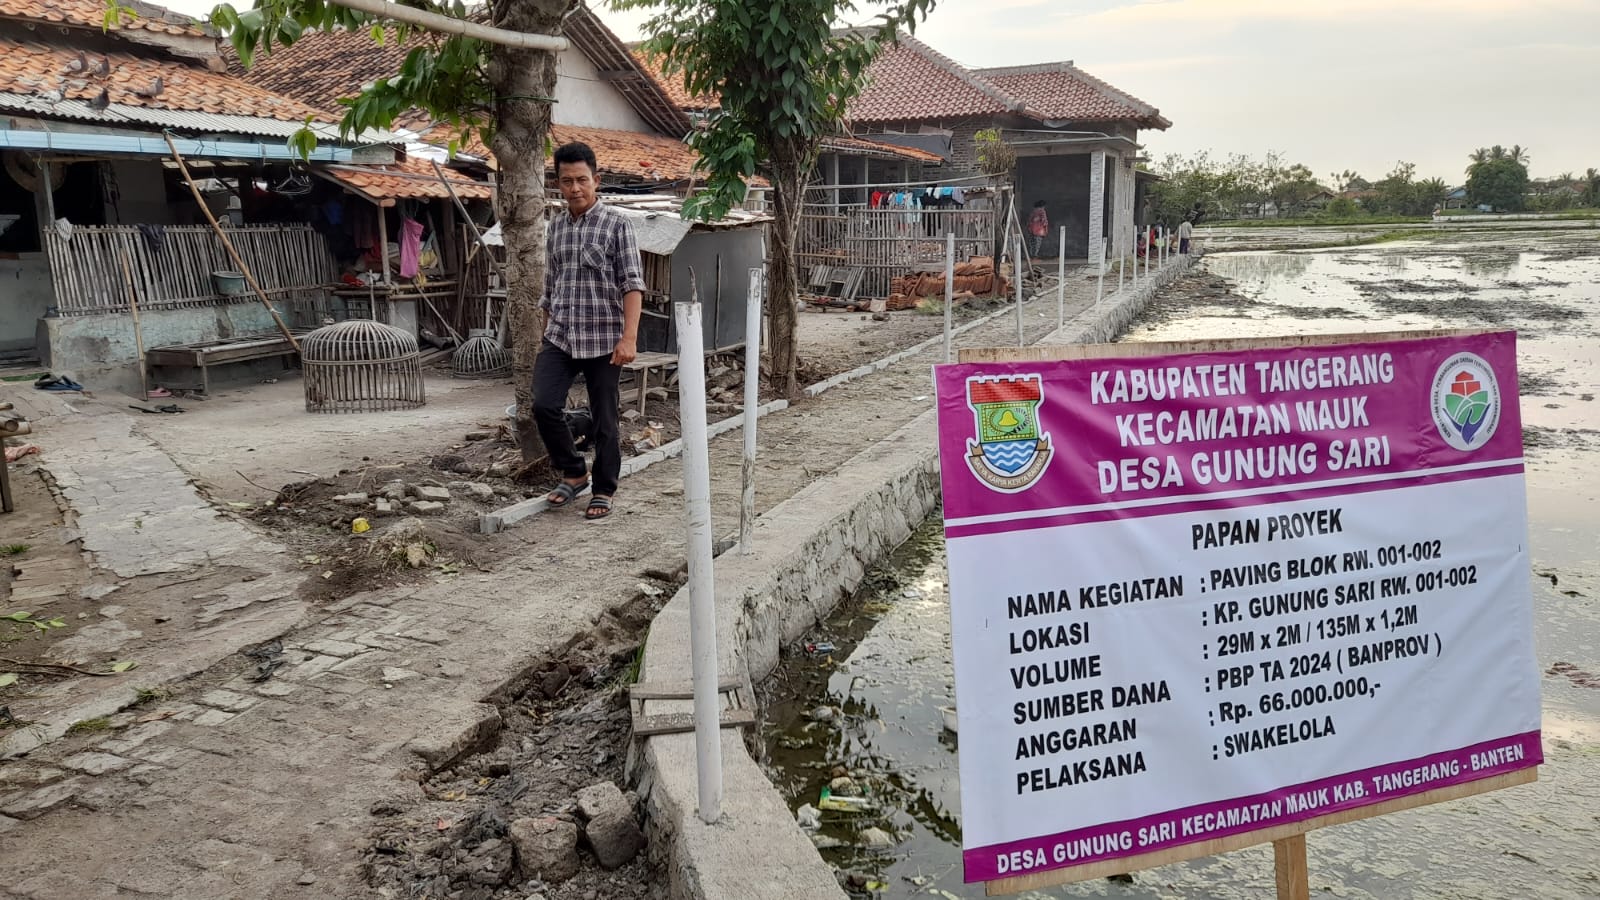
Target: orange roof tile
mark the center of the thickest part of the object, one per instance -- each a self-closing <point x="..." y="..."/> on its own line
<point x="92" y="14"/>
<point x="910" y="80"/>
<point x="632" y="153"/>
<point x="323" y="66"/>
<point x="672" y="85"/>
<point x="1061" y="90"/>
<point x="879" y="148"/>
<point x="36" y="69"/>
<point x="412" y="179"/>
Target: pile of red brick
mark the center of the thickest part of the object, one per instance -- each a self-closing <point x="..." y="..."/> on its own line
<point x="974" y="277"/>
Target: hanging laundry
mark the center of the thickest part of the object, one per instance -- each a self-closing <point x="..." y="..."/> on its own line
<point x="155" y="237"/>
<point x="410" y="247"/>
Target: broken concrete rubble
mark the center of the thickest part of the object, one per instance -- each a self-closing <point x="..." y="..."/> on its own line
<point x="547" y="848"/>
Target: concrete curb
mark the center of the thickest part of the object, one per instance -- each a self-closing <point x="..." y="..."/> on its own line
<point x="813" y="551"/>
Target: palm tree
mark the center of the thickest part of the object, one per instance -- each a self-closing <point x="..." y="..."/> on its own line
<point x="1519" y="154"/>
<point x="1477" y="158"/>
<point x="1591" y="187"/>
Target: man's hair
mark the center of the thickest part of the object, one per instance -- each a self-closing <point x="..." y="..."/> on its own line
<point x="576" y="152"/>
<point x="1038" y="204"/>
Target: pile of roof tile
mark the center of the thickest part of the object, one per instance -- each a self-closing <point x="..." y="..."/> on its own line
<point x="975" y="277"/>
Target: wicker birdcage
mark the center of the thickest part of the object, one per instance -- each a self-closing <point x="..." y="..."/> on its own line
<point x="481" y="356"/>
<point x="361" y="366"/>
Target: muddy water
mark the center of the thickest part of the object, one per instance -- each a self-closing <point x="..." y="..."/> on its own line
<point x="870" y="710"/>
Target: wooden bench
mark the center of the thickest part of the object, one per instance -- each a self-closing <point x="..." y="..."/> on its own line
<point x="205" y="354"/>
<point x="642" y="364"/>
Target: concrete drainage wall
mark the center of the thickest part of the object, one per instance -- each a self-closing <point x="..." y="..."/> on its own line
<point x="810" y="552"/>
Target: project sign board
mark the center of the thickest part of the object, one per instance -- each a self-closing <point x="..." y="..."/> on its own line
<point x="1211" y="592"/>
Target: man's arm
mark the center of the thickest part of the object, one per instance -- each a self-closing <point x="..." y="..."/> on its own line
<point x="630" y="281"/>
<point x="628" y="347"/>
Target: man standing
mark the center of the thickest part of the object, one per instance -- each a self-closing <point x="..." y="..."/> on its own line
<point x="1185" y="234"/>
<point x="593" y="288"/>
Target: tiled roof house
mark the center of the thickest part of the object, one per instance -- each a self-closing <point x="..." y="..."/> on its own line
<point x="1076" y="137"/>
<point x="913" y="88"/>
<point x="88" y="183"/>
<point x="603" y="97"/>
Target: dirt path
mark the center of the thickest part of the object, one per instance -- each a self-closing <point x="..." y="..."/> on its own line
<point x="226" y="786"/>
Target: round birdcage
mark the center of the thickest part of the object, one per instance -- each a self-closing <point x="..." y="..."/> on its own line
<point x="481" y="356"/>
<point x="361" y="366"/>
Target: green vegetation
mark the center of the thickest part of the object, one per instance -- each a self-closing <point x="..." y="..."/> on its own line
<point x="149" y="696"/>
<point x="784" y="75"/>
<point x="1244" y="191"/>
<point x="15" y="549"/>
<point x="1498" y="178"/>
<point x="90" y="726"/>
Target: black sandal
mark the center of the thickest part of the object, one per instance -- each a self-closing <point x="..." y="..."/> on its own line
<point x="599" y="508"/>
<point x="565" y="493"/>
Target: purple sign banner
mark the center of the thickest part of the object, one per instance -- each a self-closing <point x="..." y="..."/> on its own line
<point x="1198" y="594"/>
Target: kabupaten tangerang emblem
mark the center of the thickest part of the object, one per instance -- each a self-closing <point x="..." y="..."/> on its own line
<point x="1011" y="452"/>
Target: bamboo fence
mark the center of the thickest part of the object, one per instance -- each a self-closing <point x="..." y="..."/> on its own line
<point x="888" y="243"/>
<point x="176" y="271"/>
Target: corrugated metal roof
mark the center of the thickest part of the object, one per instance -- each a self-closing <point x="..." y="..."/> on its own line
<point x="183" y="121"/>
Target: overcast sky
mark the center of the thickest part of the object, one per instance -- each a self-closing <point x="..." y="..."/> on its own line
<point x="1335" y="84"/>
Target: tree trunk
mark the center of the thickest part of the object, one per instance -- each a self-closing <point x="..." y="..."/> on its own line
<point x="523" y="80"/>
<point x="789" y="164"/>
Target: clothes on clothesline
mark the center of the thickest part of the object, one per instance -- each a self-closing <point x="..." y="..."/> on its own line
<point x="410" y="247"/>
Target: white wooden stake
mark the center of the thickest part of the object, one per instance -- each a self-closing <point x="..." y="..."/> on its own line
<point x="1018" y="269"/>
<point x="1061" y="281"/>
<point x="1100" y="291"/>
<point x="752" y="400"/>
<point x="949" y="289"/>
<point x="702" y="598"/>
<point x="1133" y="245"/>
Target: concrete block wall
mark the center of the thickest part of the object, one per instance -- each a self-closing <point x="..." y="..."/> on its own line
<point x="101" y="353"/>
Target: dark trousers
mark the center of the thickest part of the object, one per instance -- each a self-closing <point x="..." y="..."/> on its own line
<point x="553" y="374"/>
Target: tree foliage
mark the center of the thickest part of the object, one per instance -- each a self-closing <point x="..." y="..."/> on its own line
<point x="1197" y="187"/>
<point x="497" y="93"/>
<point x="785" y="75"/>
<point x="1499" y="183"/>
<point x="996" y="156"/>
<point x="444" y="75"/>
<point x="1400" y="193"/>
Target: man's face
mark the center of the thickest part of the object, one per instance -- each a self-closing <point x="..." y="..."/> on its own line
<point x="578" y="186"/>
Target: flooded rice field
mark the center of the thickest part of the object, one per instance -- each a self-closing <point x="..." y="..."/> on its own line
<point x="865" y="718"/>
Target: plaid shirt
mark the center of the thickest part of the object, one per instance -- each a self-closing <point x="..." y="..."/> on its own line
<point x="590" y="264"/>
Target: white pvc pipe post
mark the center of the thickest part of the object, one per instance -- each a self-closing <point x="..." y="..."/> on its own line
<point x="1133" y="245"/>
<point x="949" y="289"/>
<point x="1061" y="281"/>
<point x="752" y="400"/>
<point x="1100" y="291"/>
<point x="702" y="599"/>
<point x="1149" y="249"/>
<point x="1018" y="268"/>
<point x="1122" y="265"/>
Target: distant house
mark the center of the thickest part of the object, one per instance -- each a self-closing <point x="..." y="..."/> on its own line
<point x="1076" y="137"/>
<point x="1456" y="199"/>
<point x="603" y="98"/>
